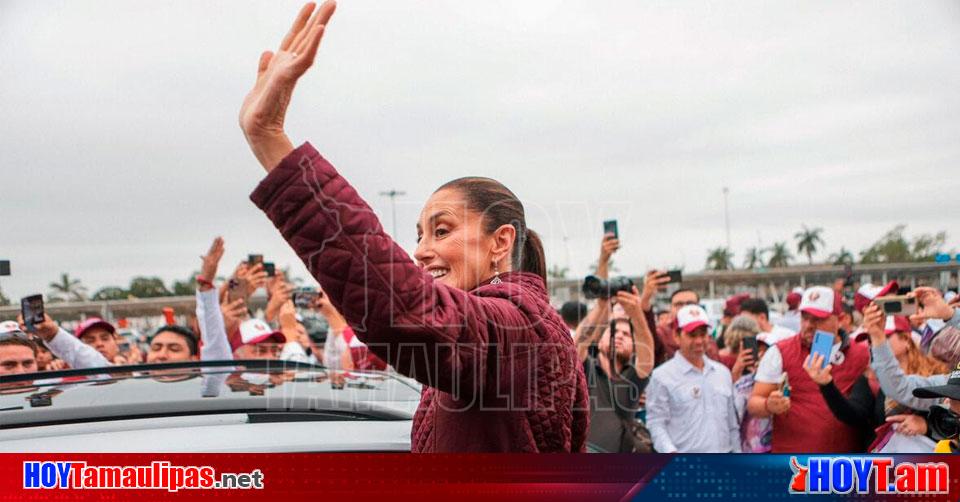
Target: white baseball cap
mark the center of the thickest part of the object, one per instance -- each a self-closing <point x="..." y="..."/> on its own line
<point x="868" y="292"/>
<point x="9" y="327"/>
<point x="820" y="301"/>
<point x="254" y="331"/>
<point x="691" y="317"/>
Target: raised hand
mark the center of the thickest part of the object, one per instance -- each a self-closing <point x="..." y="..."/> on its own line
<point x="46" y="330"/>
<point x="256" y="278"/>
<point x="211" y="260"/>
<point x="932" y="305"/>
<point x="654" y="280"/>
<point x="280" y="293"/>
<point x="265" y="107"/>
<point x="874" y="321"/>
<point x="234" y="313"/>
<point x="609" y="246"/>
<point x="631" y="303"/>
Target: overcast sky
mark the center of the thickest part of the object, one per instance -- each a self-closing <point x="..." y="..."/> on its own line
<point x="121" y="153"/>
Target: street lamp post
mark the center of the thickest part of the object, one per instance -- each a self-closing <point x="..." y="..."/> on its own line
<point x="726" y="214"/>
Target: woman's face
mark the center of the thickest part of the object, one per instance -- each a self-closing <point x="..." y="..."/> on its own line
<point x="452" y="245"/>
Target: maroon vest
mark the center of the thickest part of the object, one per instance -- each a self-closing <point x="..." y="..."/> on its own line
<point x="809" y="426"/>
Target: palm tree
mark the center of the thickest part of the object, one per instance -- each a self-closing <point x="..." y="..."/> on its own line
<point x="67" y="289"/>
<point x="842" y="257"/>
<point x="780" y="255"/>
<point x="754" y="259"/>
<point x="807" y="241"/>
<point x="719" y="258"/>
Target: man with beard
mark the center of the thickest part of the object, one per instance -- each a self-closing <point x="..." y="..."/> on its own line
<point x="617" y="355"/>
<point x="802" y="421"/>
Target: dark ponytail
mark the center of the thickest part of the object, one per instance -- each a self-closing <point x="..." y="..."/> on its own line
<point x="499" y="206"/>
<point x="533" y="259"/>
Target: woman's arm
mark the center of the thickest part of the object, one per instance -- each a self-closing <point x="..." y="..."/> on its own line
<point x="434" y="333"/>
<point x="855" y="411"/>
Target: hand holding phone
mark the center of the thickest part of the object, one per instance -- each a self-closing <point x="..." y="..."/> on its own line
<point x="610" y="227"/>
<point x="676" y="276"/>
<point x="253" y="259"/>
<point x="305" y="298"/>
<point x="897" y="305"/>
<point x="822" y="345"/>
<point x="236" y="290"/>
<point x="31" y="307"/>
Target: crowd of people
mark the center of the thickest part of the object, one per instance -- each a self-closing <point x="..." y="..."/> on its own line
<point x="223" y="328"/>
<point x="660" y="377"/>
<point x="671" y="383"/>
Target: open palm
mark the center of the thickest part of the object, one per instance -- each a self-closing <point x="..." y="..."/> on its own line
<point x="263" y="110"/>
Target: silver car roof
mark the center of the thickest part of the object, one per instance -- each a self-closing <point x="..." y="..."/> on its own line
<point x="185" y="390"/>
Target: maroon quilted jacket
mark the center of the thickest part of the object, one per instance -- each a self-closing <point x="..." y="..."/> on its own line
<point x="499" y="368"/>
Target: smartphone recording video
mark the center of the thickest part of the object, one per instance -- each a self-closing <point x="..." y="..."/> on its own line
<point x="31" y="307"/>
<point x="898" y="305"/>
<point x="305" y="298"/>
<point x="676" y="276"/>
<point x="610" y="227"/>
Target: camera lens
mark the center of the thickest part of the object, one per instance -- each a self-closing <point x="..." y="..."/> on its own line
<point x="944" y="424"/>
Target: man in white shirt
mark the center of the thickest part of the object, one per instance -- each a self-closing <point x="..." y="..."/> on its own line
<point x="690" y="404"/>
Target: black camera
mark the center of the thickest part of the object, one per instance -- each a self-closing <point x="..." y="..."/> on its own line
<point x="595" y="287"/>
<point x="944" y="423"/>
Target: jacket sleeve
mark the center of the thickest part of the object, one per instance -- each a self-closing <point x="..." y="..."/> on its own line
<point x="213" y="334"/>
<point x="436" y="334"/>
<point x="855" y="411"/>
<point x="898" y="386"/>
<point x="76" y="353"/>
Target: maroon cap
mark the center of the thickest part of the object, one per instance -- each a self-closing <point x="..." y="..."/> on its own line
<point x="793" y="300"/>
<point x="732" y="307"/>
<point x="93" y="322"/>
